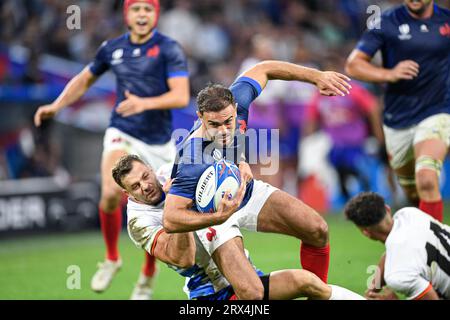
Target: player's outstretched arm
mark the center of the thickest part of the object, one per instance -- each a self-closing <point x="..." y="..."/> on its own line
<point x="359" y="66"/>
<point x="177" y="97"/>
<point x="73" y="91"/>
<point x="175" y="249"/>
<point x="329" y="83"/>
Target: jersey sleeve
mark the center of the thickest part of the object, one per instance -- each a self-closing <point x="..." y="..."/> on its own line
<point x="245" y="90"/>
<point x="185" y="181"/>
<point x="176" y="61"/>
<point x="144" y="232"/>
<point x="372" y="40"/>
<point x="100" y="64"/>
<point x="402" y="271"/>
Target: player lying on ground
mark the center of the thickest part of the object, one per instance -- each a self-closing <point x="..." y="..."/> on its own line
<point x="152" y="78"/>
<point x="417" y="258"/>
<point x="415" y="45"/>
<point x="185" y="253"/>
<point x="220" y="133"/>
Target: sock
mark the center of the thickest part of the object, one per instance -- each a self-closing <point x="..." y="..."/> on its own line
<point x="434" y="209"/>
<point x="149" y="267"/>
<point x="339" y="293"/>
<point x="315" y="260"/>
<point x="111" y="225"/>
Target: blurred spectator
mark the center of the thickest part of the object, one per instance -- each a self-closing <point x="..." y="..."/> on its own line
<point x="344" y="120"/>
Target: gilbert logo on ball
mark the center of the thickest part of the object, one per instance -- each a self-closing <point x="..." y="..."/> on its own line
<point x="218" y="178"/>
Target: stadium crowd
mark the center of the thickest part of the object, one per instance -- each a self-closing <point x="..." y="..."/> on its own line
<point x="219" y="37"/>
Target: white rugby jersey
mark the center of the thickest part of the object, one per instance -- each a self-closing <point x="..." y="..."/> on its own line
<point x="418" y="255"/>
<point x="145" y="223"/>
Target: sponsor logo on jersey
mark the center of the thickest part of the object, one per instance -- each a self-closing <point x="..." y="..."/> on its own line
<point x="212" y="234"/>
<point x="153" y="52"/>
<point x="136" y="52"/>
<point x="404" y="32"/>
<point x="424" y="28"/>
<point x="117" y="56"/>
<point x="445" y="30"/>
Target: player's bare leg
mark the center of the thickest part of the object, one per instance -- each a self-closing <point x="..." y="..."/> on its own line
<point x="429" y="156"/>
<point x="293" y="284"/>
<point x="407" y="180"/>
<point x="110" y="221"/>
<point x="284" y="214"/>
<point x="237" y="269"/>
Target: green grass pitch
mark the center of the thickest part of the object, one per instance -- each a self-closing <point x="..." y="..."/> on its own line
<point x="37" y="267"/>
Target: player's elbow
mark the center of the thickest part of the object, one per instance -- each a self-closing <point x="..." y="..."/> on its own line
<point x="350" y="67"/>
<point x="169" y="223"/>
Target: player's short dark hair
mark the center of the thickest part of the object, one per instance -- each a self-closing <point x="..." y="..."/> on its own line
<point x="123" y="167"/>
<point x="214" y="98"/>
<point x="366" y="209"/>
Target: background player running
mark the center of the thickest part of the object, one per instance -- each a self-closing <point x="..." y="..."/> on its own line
<point x="184" y="252"/>
<point x="415" y="47"/>
<point x="152" y="78"/>
<point x="417" y="258"/>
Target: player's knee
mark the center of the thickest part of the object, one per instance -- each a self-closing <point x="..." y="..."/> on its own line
<point x="308" y="284"/>
<point x="253" y="291"/>
<point x="110" y="199"/>
<point x="427" y="181"/>
<point x="319" y="233"/>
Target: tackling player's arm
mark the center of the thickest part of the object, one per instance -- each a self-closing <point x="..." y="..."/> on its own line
<point x="359" y="66"/>
<point x="329" y="83"/>
<point x="178" y="218"/>
<point x="175" y="249"/>
<point x="73" y="91"/>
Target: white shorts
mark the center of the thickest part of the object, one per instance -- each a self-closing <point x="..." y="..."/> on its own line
<point x="400" y="142"/>
<point x="154" y="155"/>
<point x="245" y="218"/>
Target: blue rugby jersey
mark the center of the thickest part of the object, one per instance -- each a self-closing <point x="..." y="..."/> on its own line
<point x="197" y="154"/>
<point x="143" y="69"/>
<point x="427" y="42"/>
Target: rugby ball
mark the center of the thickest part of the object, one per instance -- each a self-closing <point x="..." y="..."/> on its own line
<point x="214" y="182"/>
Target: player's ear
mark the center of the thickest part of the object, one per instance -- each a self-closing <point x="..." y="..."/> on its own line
<point x="199" y="115"/>
<point x="388" y="209"/>
<point x="365" y="232"/>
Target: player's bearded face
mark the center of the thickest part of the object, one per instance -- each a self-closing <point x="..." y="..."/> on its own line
<point x="141" y="18"/>
<point x="142" y="185"/>
<point x="220" y="126"/>
<point x="418" y="6"/>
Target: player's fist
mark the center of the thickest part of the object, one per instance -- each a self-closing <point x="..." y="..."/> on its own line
<point x="245" y="171"/>
<point x="332" y="83"/>
<point x="131" y="105"/>
<point x="44" y="112"/>
<point x="228" y="205"/>
<point x="404" y="70"/>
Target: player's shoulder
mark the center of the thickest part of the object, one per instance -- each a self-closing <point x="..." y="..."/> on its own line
<point x="442" y="12"/>
<point x="393" y="12"/>
<point x="411" y="214"/>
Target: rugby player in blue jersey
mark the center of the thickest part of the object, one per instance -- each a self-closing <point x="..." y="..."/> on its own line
<point x="414" y="40"/>
<point x="220" y="133"/>
<point x="185" y="253"/>
<point x="152" y="78"/>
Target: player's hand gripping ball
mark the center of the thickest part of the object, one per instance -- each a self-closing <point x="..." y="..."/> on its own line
<point x="218" y="178"/>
